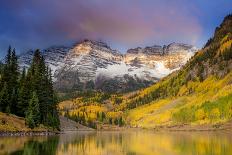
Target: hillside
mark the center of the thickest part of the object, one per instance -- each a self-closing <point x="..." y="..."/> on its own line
<point x="94" y="109"/>
<point x="200" y="93"/>
<point x="12" y="123"/>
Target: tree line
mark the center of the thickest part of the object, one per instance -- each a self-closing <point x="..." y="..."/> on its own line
<point x="28" y="92"/>
<point x="101" y="117"/>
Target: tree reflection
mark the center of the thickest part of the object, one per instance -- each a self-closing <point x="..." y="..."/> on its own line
<point x="37" y="147"/>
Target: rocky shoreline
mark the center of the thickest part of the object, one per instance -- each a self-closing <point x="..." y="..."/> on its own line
<point x="28" y="133"/>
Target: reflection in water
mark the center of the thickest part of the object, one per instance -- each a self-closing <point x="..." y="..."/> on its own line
<point x="117" y="143"/>
<point x="28" y="145"/>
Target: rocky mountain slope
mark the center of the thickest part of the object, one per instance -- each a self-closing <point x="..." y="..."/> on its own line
<point x="94" y="65"/>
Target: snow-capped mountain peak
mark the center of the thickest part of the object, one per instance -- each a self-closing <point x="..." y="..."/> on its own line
<point x="96" y="63"/>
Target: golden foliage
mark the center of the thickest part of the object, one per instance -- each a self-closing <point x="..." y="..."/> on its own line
<point x="160" y="112"/>
<point x="200" y="114"/>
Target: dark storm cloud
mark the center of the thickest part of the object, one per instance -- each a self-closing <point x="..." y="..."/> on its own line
<point x="122" y="23"/>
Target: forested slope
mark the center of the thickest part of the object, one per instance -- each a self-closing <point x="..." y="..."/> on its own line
<point x="28" y="93"/>
<point x="201" y="92"/>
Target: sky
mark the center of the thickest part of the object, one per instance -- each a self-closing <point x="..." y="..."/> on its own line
<point x="122" y="24"/>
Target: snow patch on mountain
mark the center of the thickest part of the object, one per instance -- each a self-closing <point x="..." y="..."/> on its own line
<point x="143" y="72"/>
<point x="88" y="60"/>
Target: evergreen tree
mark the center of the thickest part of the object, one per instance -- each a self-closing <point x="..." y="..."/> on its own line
<point x="33" y="113"/>
<point x="37" y="77"/>
<point x="8" y="56"/>
<point x="13" y="101"/>
<point x="9" y="79"/>
<point x="4" y="99"/>
<point x="29" y="118"/>
<point x="1" y="70"/>
<point x="5" y="76"/>
<point x="23" y="100"/>
<point x="30" y="94"/>
<point x="4" y="83"/>
<point x="53" y="121"/>
<point x="40" y="78"/>
<point x="13" y="82"/>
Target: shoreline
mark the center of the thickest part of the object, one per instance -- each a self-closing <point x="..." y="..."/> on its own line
<point x="227" y="126"/>
<point x="27" y="133"/>
<point x="172" y="128"/>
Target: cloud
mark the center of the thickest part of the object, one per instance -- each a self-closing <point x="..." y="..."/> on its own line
<point x="125" y="22"/>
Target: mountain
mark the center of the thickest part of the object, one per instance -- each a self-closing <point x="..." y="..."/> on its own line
<point x="200" y="93"/>
<point x="54" y="57"/>
<point x="196" y="97"/>
<point x="94" y="65"/>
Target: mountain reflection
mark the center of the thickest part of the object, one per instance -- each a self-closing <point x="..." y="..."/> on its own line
<point x="120" y="143"/>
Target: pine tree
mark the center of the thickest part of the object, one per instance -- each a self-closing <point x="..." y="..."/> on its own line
<point x="4" y="84"/>
<point x="13" y="82"/>
<point x="51" y="121"/>
<point x="4" y="99"/>
<point x="5" y="75"/>
<point x="9" y="79"/>
<point x="32" y="94"/>
<point x="40" y="78"/>
<point x="36" y="111"/>
<point x="37" y="83"/>
<point x="33" y="113"/>
<point x="6" y="69"/>
<point x="13" y="101"/>
<point x="29" y="118"/>
<point x="1" y="72"/>
<point x="8" y="56"/>
<point x="23" y="95"/>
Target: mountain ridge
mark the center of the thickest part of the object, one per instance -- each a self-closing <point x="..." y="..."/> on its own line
<point x="93" y="64"/>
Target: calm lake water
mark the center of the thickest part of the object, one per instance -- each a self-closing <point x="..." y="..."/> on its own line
<point x="120" y="143"/>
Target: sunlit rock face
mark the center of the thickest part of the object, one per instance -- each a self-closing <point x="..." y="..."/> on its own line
<point x="172" y="56"/>
<point x="94" y="65"/>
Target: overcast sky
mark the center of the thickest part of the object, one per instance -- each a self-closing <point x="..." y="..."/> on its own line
<point x="123" y="24"/>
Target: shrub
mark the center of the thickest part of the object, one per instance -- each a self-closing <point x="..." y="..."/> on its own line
<point x="214" y="114"/>
<point x="200" y="114"/>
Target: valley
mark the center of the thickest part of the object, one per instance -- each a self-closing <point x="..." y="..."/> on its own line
<point x="124" y="77"/>
<point x="157" y="87"/>
<point x="199" y="94"/>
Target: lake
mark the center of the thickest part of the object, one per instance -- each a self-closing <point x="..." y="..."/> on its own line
<point x="121" y="143"/>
